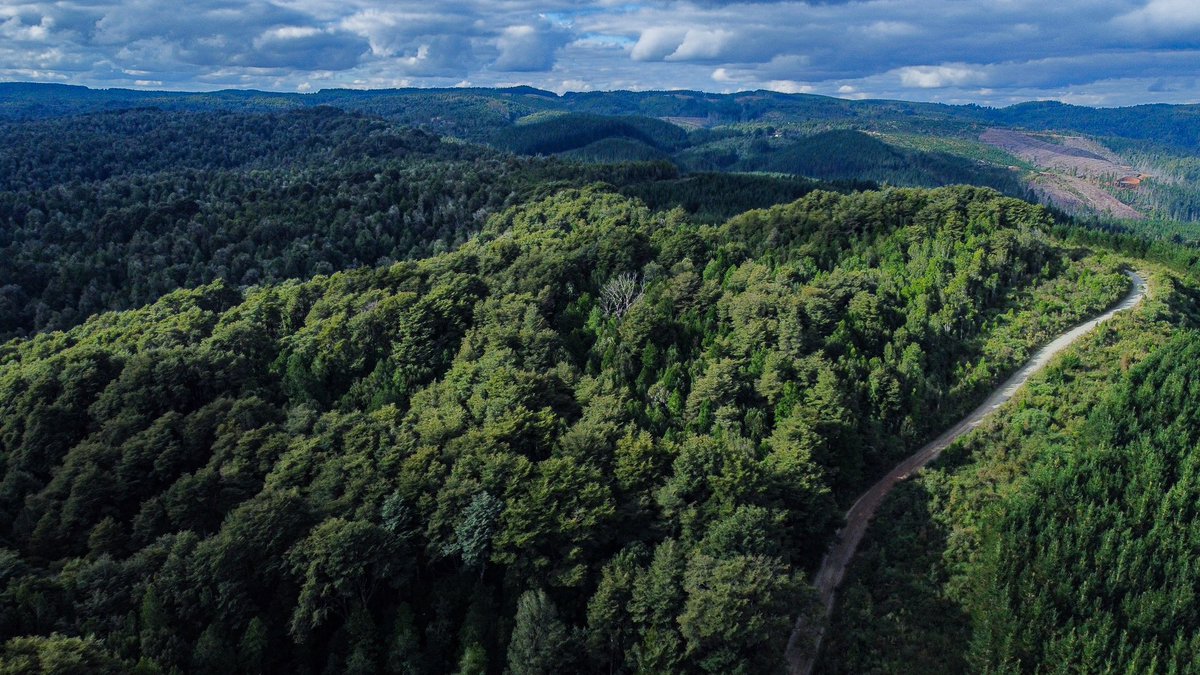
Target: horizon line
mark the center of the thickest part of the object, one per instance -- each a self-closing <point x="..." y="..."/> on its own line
<point x="567" y="92"/>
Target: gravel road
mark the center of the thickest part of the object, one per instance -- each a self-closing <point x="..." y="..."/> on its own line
<point x="805" y="641"/>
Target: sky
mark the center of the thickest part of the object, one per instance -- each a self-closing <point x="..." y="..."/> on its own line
<point x="991" y="52"/>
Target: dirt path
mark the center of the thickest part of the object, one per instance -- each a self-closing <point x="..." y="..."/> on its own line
<point x="805" y="641"/>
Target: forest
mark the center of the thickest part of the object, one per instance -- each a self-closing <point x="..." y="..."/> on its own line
<point x="1055" y="537"/>
<point x="181" y="199"/>
<point x="501" y="381"/>
<point x="894" y="142"/>
<point x="592" y="425"/>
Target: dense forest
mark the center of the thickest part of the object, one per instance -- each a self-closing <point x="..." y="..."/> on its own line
<point x="813" y="136"/>
<point x="853" y="155"/>
<point x="1058" y="536"/>
<point x="592" y="438"/>
<point x="175" y="200"/>
<point x="501" y="381"/>
<point x="1095" y="556"/>
<point x="477" y="112"/>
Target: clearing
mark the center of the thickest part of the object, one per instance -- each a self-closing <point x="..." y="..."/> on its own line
<point x="1072" y="171"/>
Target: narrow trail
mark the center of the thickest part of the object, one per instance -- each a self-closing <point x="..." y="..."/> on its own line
<point x="805" y="641"/>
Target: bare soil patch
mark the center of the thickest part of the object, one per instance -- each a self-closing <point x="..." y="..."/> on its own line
<point x="1073" y="195"/>
<point x="1071" y="172"/>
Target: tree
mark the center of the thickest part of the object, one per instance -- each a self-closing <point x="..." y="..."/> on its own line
<point x="539" y="644"/>
<point x="738" y="613"/>
<point x="341" y="564"/>
<point x="620" y="293"/>
<point x="611" y="630"/>
<point x="252" y="649"/>
<point x="657" y="600"/>
<point x="214" y="652"/>
<point x="57" y="655"/>
<point x="473" y="534"/>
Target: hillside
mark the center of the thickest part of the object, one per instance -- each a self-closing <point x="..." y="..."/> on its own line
<point x="757" y="131"/>
<point x="1051" y="536"/>
<point x="591" y="438"/>
<point x="502" y="381"/>
<point x="112" y="210"/>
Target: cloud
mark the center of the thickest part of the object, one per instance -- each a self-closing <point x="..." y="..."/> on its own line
<point x="16" y="28"/>
<point x="788" y="87"/>
<point x="1115" y="51"/>
<point x="1163" y="18"/>
<point x="528" y="48"/>
<point x="656" y="44"/>
<point x="934" y="77"/>
<point x="436" y="56"/>
<point x="702" y="45"/>
<point x="303" y="47"/>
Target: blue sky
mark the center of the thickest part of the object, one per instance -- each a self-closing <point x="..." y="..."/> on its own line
<point x="995" y="52"/>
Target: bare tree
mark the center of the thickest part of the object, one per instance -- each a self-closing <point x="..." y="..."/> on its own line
<point x="620" y="293"/>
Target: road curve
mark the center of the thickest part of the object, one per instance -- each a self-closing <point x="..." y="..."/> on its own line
<point x="841" y="552"/>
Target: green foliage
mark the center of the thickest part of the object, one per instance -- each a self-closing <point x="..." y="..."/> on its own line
<point x="413" y="467"/>
<point x="853" y="155"/>
<point x="539" y="643"/>
<point x="57" y="655"/>
<point x="181" y="199"/>
<point x="1090" y="565"/>
<point x="1053" y="537"/>
<point x="560" y="133"/>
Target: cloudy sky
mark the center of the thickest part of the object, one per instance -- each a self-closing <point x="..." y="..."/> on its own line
<point x="1096" y="52"/>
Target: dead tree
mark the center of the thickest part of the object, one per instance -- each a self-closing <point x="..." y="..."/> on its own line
<point x="620" y="293"/>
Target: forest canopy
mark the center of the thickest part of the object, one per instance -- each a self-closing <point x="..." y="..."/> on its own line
<point x="479" y="459"/>
<point x="580" y="383"/>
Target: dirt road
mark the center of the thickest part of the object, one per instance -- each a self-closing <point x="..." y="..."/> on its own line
<point x="806" y="639"/>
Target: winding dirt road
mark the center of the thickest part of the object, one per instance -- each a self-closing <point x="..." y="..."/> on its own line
<point x="806" y="639"/>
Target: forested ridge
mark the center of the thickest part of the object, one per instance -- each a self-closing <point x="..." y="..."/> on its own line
<point x="113" y="210"/>
<point x="815" y="136"/>
<point x="593" y="438"/>
<point x="584" y="386"/>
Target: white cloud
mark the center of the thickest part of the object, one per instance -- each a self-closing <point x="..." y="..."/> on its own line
<point x="1118" y="51"/>
<point x="890" y="29"/>
<point x="288" y="33"/>
<point x="789" y="87"/>
<point x="13" y="28"/>
<point x="1162" y="18"/>
<point x="572" y="85"/>
<point x="935" y="77"/>
<point x="655" y="44"/>
<point x="701" y="45"/>
<point x="528" y="48"/>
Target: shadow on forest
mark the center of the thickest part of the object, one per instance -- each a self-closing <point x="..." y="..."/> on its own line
<point x="892" y="615"/>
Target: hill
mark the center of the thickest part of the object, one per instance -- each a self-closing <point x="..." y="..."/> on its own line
<point x="726" y="132"/>
<point x="112" y="210"/>
<point x="593" y="437"/>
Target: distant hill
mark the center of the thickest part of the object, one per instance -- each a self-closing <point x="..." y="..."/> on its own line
<point x="911" y="144"/>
